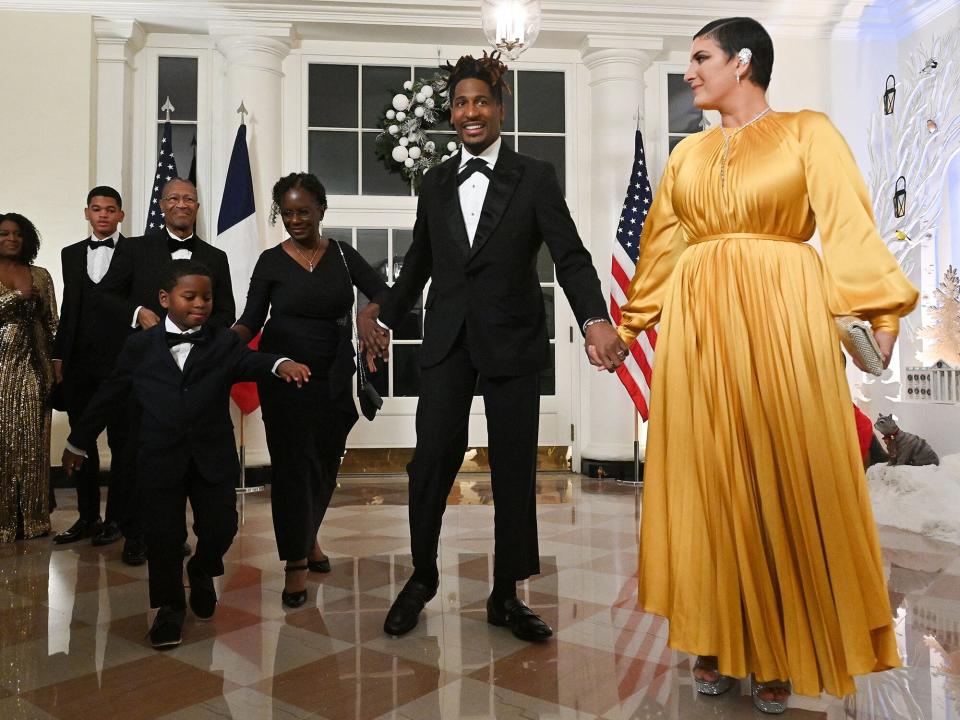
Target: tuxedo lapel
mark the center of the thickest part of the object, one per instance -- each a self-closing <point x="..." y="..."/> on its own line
<point x="163" y="350"/>
<point x="506" y="174"/>
<point x="450" y="200"/>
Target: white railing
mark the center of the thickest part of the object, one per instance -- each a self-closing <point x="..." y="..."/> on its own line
<point x="933" y="384"/>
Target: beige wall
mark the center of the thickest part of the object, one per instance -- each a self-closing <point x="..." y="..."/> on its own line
<point x="47" y="129"/>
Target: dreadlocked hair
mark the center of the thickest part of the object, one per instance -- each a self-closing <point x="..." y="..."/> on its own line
<point x="487" y="68"/>
<point x="301" y="181"/>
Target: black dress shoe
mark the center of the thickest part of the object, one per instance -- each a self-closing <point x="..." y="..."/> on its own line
<point x="134" y="551"/>
<point x="404" y="614"/>
<point x="295" y="599"/>
<point x="203" y="595"/>
<point x="78" y="531"/>
<point x="167" y="630"/>
<point x="109" y="533"/>
<point x="523" y="622"/>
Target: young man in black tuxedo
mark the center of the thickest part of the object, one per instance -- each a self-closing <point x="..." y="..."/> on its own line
<point x="180" y="371"/>
<point x="131" y="291"/>
<point x="85" y="350"/>
<point x="481" y="219"/>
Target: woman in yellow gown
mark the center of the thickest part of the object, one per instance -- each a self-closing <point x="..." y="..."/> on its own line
<point x="757" y="538"/>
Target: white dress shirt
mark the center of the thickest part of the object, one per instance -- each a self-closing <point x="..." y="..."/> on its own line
<point x="181" y="351"/>
<point x="473" y="191"/>
<point x="98" y="259"/>
<point x="179" y="254"/>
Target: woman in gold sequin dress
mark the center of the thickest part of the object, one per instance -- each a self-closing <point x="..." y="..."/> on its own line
<point x="757" y="537"/>
<point x="28" y="321"/>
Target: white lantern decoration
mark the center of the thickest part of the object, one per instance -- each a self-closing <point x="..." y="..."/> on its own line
<point x="399" y="153"/>
<point x="451" y="146"/>
<point x="429" y="102"/>
<point x="418" y="111"/>
<point x="413" y="151"/>
<point x="420" y="97"/>
<point x="400" y="102"/>
<point x="427" y="91"/>
<point x="401" y="116"/>
<point x="431" y="146"/>
<point x="511" y="26"/>
<point x="408" y="162"/>
<point x="408" y="85"/>
<point x="393" y="129"/>
<point x="404" y="142"/>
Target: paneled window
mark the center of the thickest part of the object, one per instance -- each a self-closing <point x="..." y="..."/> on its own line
<point x="683" y="117"/>
<point x="346" y="103"/>
<point x="177" y="80"/>
<point x="384" y="249"/>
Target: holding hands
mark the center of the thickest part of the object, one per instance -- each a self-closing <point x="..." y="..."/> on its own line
<point x="604" y="347"/>
<point x="71" y="462"/>
<point x="373" y="337"/>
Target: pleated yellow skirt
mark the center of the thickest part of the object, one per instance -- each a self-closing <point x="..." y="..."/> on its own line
<point x="757" y="538"/>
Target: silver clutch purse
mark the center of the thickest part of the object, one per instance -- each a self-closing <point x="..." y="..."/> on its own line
<point x="858" y="340"/>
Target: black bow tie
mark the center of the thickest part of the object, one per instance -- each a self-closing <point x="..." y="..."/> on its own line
<point x="174" y="245"/>
<point x="472" y="166"/>
<point x="94" y="244"/>
<point x="180" y="338"/>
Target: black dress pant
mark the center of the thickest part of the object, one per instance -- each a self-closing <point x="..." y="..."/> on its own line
<point x="87" y="478"/>
<point x="214" y="523"/>
<point x="443" y="413"/>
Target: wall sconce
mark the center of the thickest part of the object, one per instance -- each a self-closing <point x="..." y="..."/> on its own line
<point x="900" y="197"/>
<point x="890" y="95"/>
<point x="511" y="26"/>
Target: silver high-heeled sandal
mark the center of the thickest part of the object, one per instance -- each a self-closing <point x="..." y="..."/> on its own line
<point x="711" y="687"/>
<point x="770" y="707"/>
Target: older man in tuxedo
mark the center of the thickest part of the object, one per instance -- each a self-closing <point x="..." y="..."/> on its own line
<point x="481" y="220"/>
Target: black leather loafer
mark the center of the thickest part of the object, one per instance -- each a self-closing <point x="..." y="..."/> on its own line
<point x="404" y="614"/>
<point x="134" y="551"/>
<point x="523" y="622"/>
<point x="109" y="533"/>
<point x="167" y="630"/>
<point x="203" y="595"/>
<point x="78" y="531"/>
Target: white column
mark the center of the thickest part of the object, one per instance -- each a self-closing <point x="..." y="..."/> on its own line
<point x="616" y="67"/>
<point x="117" y="44"/>
<point x="253" y="57"/>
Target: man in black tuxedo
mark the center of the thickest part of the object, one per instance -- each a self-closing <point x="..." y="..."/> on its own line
<point x="85" y="350"/>
<point x="131" y="289"/>
<point x="180" y="371"/>
<point x="481" y="219"/>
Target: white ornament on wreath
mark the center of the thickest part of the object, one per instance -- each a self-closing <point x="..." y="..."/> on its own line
<point x="405" y="125"/>
<point x="903" y="144"/>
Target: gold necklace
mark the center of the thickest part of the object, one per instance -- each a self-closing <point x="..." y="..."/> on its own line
<point x="308" y="260"/>
<point x="728" y="138"/>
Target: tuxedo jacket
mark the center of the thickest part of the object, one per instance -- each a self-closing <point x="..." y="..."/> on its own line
<point x="134" y="278"/>
<point x="493" y="287"/>
<point x="186" y="413"/>
<point x="82" y="317"/>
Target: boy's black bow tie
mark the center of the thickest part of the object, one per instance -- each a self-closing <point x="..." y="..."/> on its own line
<point x="180" y="338"/>
<point x="472" y="166"/>
<point x="94" y="244"/>
<point x="188" y="244"/>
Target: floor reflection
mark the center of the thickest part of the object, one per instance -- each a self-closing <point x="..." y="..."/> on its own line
<point x="73" y="623"/>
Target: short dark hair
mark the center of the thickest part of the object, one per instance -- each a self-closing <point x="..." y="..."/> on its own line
<point x="105" y="191"/>
<point x="302" y="180"/>
<point x="163" y="190"/>
<point x="176" y="269"/>
<point x="487" y="68"/>
<point x="735" y="33"/>
<point x="31" y="238"/>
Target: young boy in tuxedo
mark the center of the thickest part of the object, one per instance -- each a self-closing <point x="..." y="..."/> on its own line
<point x="180" y="372"/>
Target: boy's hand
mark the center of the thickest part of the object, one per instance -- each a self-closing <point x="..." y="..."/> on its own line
<point x="290" y="371"/>
<point x="71" y="462"/>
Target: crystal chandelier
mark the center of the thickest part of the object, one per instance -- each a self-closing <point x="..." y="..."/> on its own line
<point x="511" y="26"/>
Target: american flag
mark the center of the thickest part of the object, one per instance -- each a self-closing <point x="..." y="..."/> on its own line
<point x="636" y="371"/>
<point x="166" y="171"/>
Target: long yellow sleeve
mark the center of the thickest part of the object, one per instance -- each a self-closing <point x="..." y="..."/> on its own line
<point x="864" y="279"/>
<point x="661" y="245"/>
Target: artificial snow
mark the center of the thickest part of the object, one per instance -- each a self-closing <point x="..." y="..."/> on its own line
<point x="923" y="499"/>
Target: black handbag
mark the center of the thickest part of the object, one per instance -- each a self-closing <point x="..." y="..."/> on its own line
<point x="370" y="400"/>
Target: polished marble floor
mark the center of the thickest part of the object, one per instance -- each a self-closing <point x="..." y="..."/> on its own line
<point x="73" y="623"/>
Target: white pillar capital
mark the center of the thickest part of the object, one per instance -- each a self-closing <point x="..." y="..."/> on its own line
<point x="118" y="40"/>
<point x="618" y="58"/>
<point x="257" y="46"/>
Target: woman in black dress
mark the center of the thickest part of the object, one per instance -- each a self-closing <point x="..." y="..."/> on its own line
<point x="304" y="284"/>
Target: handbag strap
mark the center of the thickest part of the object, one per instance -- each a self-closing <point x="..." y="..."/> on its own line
<point x="361" y="371"/>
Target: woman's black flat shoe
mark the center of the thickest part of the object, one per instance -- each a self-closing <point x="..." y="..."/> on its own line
<point x="293" y="600"/>
<point x="319" y="566"/>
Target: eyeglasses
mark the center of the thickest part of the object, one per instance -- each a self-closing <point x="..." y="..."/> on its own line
<point x="301" y="214"/>
<point x="177" y="199"/>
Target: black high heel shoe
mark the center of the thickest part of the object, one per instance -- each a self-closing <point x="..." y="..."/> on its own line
<point x="319" y="566"/>
<point x="293" y="600"/>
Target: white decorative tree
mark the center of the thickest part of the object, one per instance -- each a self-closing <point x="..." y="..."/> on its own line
<point x="917" y="141"/>
<point x="941" y="332"/>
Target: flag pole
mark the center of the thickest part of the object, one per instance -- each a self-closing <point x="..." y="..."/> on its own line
<point x="243" y="489"/>
<point x="637" y="482"/>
